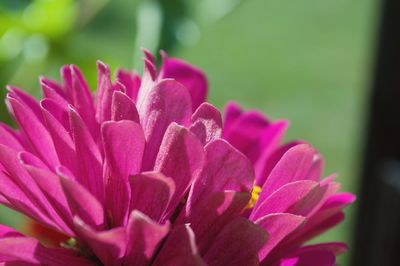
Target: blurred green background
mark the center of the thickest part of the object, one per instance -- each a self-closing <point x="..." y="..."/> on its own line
<point x="308" y="61"/>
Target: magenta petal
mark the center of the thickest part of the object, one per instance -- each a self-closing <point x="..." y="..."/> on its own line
<point x="80" y="96"/>
<point x="109" y="246"/>
<point x="246" y="134"/>
<point x="20" y="189"/>
<point x="209" y="216"/>
<point x="179" y="249"/>
<point x="191" y="77"/>
<point x="225" y="169"/>
<point x="181" y="157"/>
<point x="131" y="81"/>
<point x="9" y="138"/>
<point x="336" y="248"/>
<point x="16" y="199"/>
<point x="292" y="198"/>
<point x="62" y="140"/>
<point x="6" y="231"/>
<point x="310" y="257"/>
<point x="123" y="146"/>
<point x="159" y="109"/>
<point x="90" y="173"/>
<point x="293" y="166"/>
<point x="35" y="132"/>
<point x="237" y="244"/>
<point x="231" y="114"/>
<point x="278" y="226"/>
<point x="27" y="100"/>
<point x="151" y="193"/>
<point x="28" y="251"/>
<point x="51" y="187"/>
<point x="264" y="168"/>
<point x="58" y="111"/>
<point x="206" y="123"/>
<point x="82" y="203"/>
<point x="143" y="238"/>
<point x="52" y="90"/>
<point x="123" y="108"/>
<point x="104" y="93"/>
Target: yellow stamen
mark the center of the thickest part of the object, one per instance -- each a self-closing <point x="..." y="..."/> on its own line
<point x="255" y="194"/>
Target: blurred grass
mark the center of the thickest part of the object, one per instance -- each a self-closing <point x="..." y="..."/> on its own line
<point x="306" y="61"/>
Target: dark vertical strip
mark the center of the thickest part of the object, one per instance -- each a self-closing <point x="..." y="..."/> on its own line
<point x="377" y="228"/>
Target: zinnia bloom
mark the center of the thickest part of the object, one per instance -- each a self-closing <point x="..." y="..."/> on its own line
<point x="147" y="173"/>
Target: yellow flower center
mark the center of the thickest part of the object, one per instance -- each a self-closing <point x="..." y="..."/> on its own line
<point x="255" y="194"/>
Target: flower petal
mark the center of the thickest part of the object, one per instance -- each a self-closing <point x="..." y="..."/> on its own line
<point x="151" y="193"/>
<point x="181" y="157"/>
<point x="278" y="226"/>
<point x="9" y="138"/>
<point x="144" y="236"/>
<point x="209" y="216"/>
<point x="225" y="169"/>
<point x="123" y="108"/>
<point x="310" y="257"/>
<point x="109" y="246"/>
<point x="80" y="96"/>
<point x="90" y="161"/>
<point x="291" y="198"/>
<point x="131" y="81"/>
<point x="293" y="166"/>
<point x="35" y="132"/>
<point x="167" y="102"/>
<point x="104" y="93"/>
<point x="49" y="184"/>
<point x="91" y="211"/>
<point x="179" y="249"/>
<point x="191" y="77"/>
<point x="237" y="244"/>
<point x="61" y="138"/>
<point x="28" y="251"/>
<point x="123" y="146"/>
<point x="206" y="123"/>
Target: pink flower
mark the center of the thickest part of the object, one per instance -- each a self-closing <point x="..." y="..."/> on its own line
<point x="144" y="173"/>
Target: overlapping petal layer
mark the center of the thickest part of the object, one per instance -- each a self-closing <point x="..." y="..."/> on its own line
<point x="147" y="173"/>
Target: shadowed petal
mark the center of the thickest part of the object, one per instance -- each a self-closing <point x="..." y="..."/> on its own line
<point x="181" y="157"/>
<point x="23" y="250"/>
<point x="278" y="226"/>
<point x="179" y="249"/>
<point x="144" y="236"/>
<point x="109" y="246"/>
<point x="237" y="244"/>
<point x="151" y="193"/>
<point x="310" y="257"/>
<point x="209" y="216"/>
<point x="225" y="169"/>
